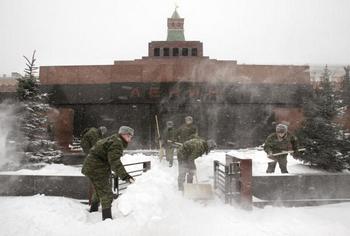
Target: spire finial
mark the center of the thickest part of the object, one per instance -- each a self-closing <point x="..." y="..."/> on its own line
<point x="176" y="14"/>
<point x="176" y="5"/>
<point x="175" y="26"/>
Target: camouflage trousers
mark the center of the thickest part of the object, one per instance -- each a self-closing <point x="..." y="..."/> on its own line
<point x="282" y="162"/>
<point x="169" y="153"/>
<point x="92" y="194"/>
<point x="185" y="168"/>
<point x="103" y="191"/>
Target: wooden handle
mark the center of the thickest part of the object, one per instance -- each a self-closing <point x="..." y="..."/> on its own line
<point x="157" y="125"/>
<point x="286" y="152"/>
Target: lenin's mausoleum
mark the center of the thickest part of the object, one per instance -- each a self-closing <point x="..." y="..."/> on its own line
<point x="233" y="103"/>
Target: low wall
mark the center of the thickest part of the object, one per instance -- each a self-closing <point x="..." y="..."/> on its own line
<point x="27" y="185"/>
<point x="288" y="189"/>
<point x="329" y="186"/>
<point x="56" y="185"/>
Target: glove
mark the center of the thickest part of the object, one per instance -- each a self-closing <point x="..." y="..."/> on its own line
<point x="269" y="155"/>
<point x="129" y="179"/>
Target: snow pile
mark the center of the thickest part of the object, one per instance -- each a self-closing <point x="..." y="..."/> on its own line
<point x="152" y="206"/>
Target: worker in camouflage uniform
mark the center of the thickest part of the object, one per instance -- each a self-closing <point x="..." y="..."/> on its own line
<point x="187" y="153"/>
<point x="278" y="142"/>
<point x="103" y="158"/>
<point x="168" y="140"/>
<point x="89" y="137"/>
<point x="186" y="131"/>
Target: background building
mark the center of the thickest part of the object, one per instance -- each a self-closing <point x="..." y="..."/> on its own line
<point x="8" y="86"/>
<point x="232" y="103"/>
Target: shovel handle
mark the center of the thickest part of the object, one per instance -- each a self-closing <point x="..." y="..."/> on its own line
<point x="286" y="152"/>
<point x="176" y="143"/>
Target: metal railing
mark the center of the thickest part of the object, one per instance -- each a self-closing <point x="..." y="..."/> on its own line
<point x="226" y="181"/>
<point x="233" y="181"/>
<point x="119" y="185"/>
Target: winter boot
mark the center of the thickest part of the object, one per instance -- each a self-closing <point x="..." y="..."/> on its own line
<point x="284" y="170"/>
<point x="94" y="206"/>
<point x="106" y="213"/>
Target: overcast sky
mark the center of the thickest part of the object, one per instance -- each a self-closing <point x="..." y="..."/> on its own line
<point x="91" y="32"/>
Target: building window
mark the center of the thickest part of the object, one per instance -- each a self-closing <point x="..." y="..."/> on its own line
<point x="194" y="52"/>
<point x="175" y="52"/>
<point x="166" y="52"/>
<point x="157" y="52"/>
<point x="185" y="52"/>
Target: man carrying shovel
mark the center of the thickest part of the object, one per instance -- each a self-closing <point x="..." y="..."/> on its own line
<point x="187" y="153"/>
<point x="103" y="158"/>
<point x="276" y="146"/>
<point x="89" y="138"/>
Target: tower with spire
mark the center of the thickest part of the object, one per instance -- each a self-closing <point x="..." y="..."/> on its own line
<point x="175" y="45"/>
<point x="176" y="27"/>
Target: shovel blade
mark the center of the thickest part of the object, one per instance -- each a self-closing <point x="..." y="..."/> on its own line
<point x="198" y="191"/>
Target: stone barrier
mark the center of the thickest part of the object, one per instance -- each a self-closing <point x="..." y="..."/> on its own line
<point x="286" y="189"/>
<point x="27" y="185"/>
<point x="301" y="189"/>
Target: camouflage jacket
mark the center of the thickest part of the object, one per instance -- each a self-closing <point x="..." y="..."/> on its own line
<point x="89" y="138"/>
<point x="104" y="157"/>
<point x="186" y="132"/>
<point x="192" y="149"/>
<point x="272" y="144"/>
<point x="168" y="134"/>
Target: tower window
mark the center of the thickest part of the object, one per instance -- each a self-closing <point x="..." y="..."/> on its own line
<point x="157" y="52"/>
<point x="175" y="52"/>
<point x="185" y="52"/>
<point x="166" y="52"/>
<point x="194" y="52"/>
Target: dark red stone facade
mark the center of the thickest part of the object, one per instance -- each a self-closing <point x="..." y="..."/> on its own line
<point x="197" y="69"/>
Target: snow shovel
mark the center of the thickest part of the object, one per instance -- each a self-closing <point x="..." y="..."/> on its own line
<point x="198" y="191"/>
<point x="161" y="149"/>
<point x="288" y="152"/>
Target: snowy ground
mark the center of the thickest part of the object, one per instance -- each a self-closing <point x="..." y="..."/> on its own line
<point x="153" y="206"/>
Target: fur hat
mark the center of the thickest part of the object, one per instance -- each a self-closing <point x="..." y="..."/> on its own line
<point x="281" y="128"/>
<point x="170" y="124"/>
<point x="189" y="119"/>
<point x="126" y="130"/>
